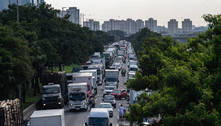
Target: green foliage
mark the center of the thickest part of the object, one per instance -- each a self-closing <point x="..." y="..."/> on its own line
<point x="40" y="40"/>
<point x="185" y="78"/>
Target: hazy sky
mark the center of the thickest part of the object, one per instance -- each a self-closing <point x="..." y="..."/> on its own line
<point x="162" y="10"/>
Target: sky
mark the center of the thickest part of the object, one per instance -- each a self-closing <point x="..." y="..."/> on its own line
<point x="162" y="10"/>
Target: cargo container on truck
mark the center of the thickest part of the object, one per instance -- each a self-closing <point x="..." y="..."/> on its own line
<point x="95" y="80"/>
<point x="53" y="117"/>
<point x="85" y="77"/>
<point x="111" y="77"/>
<point x="100" y="72"/>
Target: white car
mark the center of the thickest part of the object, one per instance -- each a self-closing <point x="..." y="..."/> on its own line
<point x="109" y="108"/>
<point x="131" y="75"/>
<point x="117" y="66"/>
<point x="108" y="90"/>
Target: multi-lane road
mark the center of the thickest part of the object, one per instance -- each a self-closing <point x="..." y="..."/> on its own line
<point x="78" y="118"/>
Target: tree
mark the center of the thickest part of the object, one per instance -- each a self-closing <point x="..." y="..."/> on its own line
<point x="185" y="78"/>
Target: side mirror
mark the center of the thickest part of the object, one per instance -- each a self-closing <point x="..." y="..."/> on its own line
<point x="110" y="124"/>
<point x="86" y="124"/>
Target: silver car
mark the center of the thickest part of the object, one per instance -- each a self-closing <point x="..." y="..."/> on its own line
<point x="110" y="99"/>
<point x="109" y="108"/>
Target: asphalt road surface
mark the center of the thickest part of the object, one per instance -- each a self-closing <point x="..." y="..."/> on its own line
<point x="78" y="118"/>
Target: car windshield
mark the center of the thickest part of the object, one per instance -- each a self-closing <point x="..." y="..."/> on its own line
<point x="77" y="96"/>
<point x="133" y="63"/>
<point x="109" y="97"/>
<point x="109" y="88"/>
<point x="105" y="106"/>
<point x="111" y="79"/>
<point x="51" y="90"/>
<point x="93" y="121"/>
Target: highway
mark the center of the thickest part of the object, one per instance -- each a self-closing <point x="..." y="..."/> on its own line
<point x="78" y="118"/>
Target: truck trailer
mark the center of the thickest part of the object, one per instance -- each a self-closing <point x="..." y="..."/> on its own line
<point x="54" y="117"/>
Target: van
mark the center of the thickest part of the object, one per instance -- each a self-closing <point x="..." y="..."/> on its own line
<point x="98" y="117"/>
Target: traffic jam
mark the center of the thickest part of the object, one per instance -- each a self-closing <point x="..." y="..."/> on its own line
<point x="97" y="89"/>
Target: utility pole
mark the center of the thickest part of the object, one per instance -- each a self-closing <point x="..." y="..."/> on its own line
<point x="17" y="12"/>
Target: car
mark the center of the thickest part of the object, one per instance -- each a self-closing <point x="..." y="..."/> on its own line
<point x="131" y="75"/>
<point x="108" y="90"/>
<point x="108" y="106"/>
<point x="133" y="68"/>
<point x="117" y="65"/>
<point x="110" y="99"/>
<point x="119" y="94"/>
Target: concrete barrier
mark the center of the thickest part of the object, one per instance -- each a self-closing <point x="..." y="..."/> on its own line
<point x="28" y="111"/>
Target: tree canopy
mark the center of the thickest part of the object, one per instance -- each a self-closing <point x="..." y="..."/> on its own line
<point x="185" y="78"/>
<point x="40" y="40"/>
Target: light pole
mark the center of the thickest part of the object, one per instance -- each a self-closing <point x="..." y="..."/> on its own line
<point x="17" y="12"/>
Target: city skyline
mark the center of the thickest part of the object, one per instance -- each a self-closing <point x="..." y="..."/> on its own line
<point x="162" y="11"/>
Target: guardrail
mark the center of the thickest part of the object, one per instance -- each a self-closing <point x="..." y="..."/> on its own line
<point x="28" y="111"/>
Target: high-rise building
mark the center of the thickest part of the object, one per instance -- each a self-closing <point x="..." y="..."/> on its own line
<point x="4" y="3"/>
<point x="96" y="26"/>
<point x="128" y="26"/>
<point x="173" y="26"/>
<point x="92" y="25"/>
<point x="187" y="25"/>
<point x="151" y="24"/>
<point x="74" y="14"/>
<point x="140" y="25"/>
<point x="161" y="29"/>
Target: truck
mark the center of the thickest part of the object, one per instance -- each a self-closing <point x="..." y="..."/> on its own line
<point x="85" y="77"/>
<point x="95" y="80"/>
<point x="98" y="117"/>
<point x="54" y="117"/>
<point x="111" y="77"/>
<point x="51" y="96"/>
<point x="54" y="93"/>
<point x="77" y="96"/>
<point x="100" y="72"/>
<point x="108" y="59"/>
<point x="69" y="78"/>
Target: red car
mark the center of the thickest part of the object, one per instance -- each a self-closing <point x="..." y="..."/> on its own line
<point x="119" y="94"/>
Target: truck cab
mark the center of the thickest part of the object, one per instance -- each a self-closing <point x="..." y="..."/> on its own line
<point x="77" y="96"/>
<point x="98" y="117"/>
<point x="51" y="96"/>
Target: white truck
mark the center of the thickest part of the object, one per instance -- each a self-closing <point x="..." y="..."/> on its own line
<point x="111" y="77"/>
<point x="77" y="96"/>
<point x="85" y="77"/>
<point x="98" y="117"/>
<point x="100" y="72"/>
<point x="94" y="73"/>
<point x="54" y="117"/>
